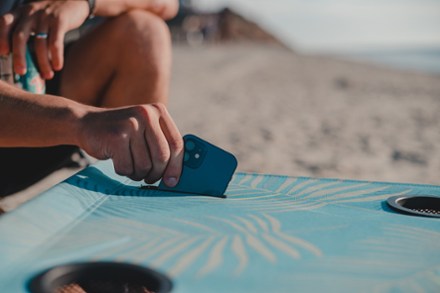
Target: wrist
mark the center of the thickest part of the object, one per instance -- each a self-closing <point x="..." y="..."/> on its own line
<point x="79" y="112"/>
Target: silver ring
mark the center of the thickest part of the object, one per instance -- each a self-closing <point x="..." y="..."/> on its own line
<point x="41" y="35"/>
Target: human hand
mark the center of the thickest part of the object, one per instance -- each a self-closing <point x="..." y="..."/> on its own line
<point x="48" y="21"/>
<point x="143" y="141"/>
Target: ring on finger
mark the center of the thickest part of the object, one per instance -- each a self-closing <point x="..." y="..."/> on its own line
<point x="40" y="35"/>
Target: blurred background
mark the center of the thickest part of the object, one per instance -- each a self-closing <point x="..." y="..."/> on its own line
<point x="324" y="88"/>
<point x="403" y="33"/>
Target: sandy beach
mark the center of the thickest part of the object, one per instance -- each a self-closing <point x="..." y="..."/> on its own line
<point x="286" y="113"/>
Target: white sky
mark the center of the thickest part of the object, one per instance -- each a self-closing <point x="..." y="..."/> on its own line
<point x="344" y="25"/>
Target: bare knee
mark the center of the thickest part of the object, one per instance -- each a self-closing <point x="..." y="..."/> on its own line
<point x="143" y="45"/>
<point x="129" y="56"/>
<point x="143" y="31"/>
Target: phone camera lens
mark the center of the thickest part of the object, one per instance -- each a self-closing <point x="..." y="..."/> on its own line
<point x="197" y="156"/>
<point x="190" y="145"/>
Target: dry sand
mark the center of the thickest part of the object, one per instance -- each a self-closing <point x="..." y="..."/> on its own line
<point x="286" y="113"/>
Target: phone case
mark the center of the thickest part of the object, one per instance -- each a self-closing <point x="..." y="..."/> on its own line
<point x="207" y="169"/>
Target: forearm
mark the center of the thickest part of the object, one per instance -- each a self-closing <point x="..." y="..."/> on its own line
<point x="37" y="120"/>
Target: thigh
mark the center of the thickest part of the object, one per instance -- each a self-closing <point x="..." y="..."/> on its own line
<point x="89" y="64"/>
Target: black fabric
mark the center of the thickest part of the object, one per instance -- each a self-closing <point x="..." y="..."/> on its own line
<point x="22" y="167"/>
<point x="8" y="5"/>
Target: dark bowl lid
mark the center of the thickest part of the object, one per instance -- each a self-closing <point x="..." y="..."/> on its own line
<point x="100" y="277"/>
<point x="420" y="205"/>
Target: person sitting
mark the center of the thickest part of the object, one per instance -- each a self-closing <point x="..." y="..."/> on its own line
<point x="106" y="93"/>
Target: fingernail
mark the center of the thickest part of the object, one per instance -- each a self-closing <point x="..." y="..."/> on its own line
<point x="171" y="181"/>
<point x="48" y="75"/>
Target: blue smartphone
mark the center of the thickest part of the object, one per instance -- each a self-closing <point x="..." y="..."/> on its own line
<point x="207" y="169"/>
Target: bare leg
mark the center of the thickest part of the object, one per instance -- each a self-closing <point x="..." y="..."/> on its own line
<point x="125" y="61"/>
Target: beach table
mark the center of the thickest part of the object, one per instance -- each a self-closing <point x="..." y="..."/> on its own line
<point x="271" y="234"/>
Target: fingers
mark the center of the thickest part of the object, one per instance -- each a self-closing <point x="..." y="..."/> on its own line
<point x="142" y="164"/>
<point x="48" y="30"/>
<point x="7" y="21"/>
<point x="56" y="42"/>
<point x="175" y="142"/>
<point x="143" y="142"/>
<point x="40" y="43"/>
<point x="159" y="149"/>
<point x="159" y="153"/>
<point x="122" y="159"/>
<point x="19" y="39"/>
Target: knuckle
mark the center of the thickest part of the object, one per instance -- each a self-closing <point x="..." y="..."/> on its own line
<point x="119" y="135"/>
<point x="139" y="109"/>
<point x="143" y="171"/>
<point x="146" y="168"/>
<point x="160" y="108"/>
<point x="7" y="19"/>
<point x="122" y="136"/>
<point x="132" y="124"/>
<point x="45" y="12"/>
<point x="176" y="144"/>
<point x="123" y="170"/>
<point x="142" y="111"/>
<point x="163" y="156"/>
<point x="19" y="36"/>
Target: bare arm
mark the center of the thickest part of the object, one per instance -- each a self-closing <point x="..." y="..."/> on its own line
<point x="30" y="120"/>
<point x="143" y="141"/>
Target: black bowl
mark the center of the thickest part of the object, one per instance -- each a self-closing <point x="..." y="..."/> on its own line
<point x="100" y="277"/>
<point x="420" y="205"/>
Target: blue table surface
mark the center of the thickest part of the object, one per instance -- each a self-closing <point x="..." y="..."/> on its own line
<point x="271" y="234"/>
